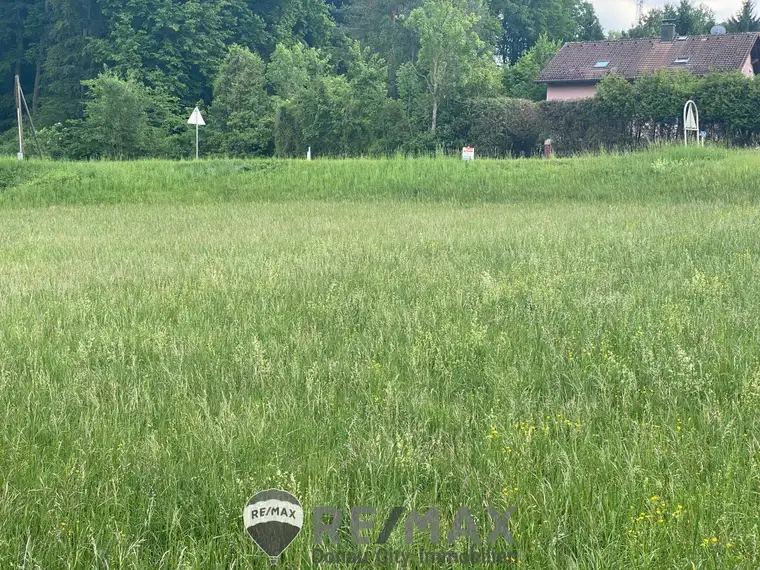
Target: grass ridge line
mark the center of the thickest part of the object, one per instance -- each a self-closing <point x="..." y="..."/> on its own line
<point x="671" y="175"/>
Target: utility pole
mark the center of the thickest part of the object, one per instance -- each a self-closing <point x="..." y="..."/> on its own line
<point x="19" y="118"/>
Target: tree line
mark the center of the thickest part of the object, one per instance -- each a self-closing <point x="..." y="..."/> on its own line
<point x="692" y="20"/>
<point x="117" y="78"/>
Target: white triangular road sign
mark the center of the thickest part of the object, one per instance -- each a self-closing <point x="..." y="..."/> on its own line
<point x="691" y="121"/>
<point x="196" y="118"/>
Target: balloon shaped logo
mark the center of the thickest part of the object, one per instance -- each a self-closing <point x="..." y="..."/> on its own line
<point x="273" y="519"/>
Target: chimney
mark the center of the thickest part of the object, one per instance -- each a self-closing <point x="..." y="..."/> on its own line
<point x="668" y="33"/>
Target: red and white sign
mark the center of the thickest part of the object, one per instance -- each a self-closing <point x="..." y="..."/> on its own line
<point x="468" y="153"/>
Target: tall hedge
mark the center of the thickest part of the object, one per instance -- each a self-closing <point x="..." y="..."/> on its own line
<point x="624" y="115"/>
<point x="505" y="127"/>
<point x="583" y="126"/>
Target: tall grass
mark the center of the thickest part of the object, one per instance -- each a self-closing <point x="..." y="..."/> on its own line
<point x="668" y="175"/>
<point x="577" y="338"/>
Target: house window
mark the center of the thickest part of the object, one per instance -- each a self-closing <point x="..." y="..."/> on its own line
<point x="682" y="61"/>
<point x="601" y="64"/>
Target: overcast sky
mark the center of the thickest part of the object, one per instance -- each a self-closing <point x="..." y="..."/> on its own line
<point x="620" y="14"/>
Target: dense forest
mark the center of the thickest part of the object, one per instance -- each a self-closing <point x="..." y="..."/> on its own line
<point x="118" y="78"/>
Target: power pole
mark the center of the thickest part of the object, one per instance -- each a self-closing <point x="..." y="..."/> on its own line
<point x="639" y="11"/>
<point x="19" y="118"/>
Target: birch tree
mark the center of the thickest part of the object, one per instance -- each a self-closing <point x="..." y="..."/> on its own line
<point x="450" y="49"/>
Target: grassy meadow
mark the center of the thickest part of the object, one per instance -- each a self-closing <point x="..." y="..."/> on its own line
<point x="577" y="338"/>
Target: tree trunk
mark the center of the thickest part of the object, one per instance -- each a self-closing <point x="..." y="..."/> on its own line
<point x="40" y="57"/>
<point x="434" y="122"/>
<point x="37" y="80"/>
<point x="435" y="88"/>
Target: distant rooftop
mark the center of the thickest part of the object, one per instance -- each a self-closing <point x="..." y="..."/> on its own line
<point x="580" y="61"/>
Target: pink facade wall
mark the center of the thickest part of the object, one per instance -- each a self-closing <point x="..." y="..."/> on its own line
<point x="570" y="92"/>
<point x="747" y="69"/>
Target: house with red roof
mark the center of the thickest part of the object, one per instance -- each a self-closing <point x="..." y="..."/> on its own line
<point x="579" y="66"/>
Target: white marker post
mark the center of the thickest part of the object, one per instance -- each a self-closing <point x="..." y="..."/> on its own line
<point x="691" y="123"/>
<point x="308" y="154"/>
<point x="196" y="119"/>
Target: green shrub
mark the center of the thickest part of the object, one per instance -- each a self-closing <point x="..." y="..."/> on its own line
<point x="503" y="127"/>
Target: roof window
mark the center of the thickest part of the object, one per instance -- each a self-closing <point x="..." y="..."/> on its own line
<point x="682" y="60"/>
<point x="601" y="64"/>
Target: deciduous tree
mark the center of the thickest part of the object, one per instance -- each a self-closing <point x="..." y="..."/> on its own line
<point x="520" y="78"/>
<point x="123" y="118"/>
<point x="242" y="115"/>
<point x="450" y="49"/>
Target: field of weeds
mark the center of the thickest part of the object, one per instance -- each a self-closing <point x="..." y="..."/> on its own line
<point x="578" y="339"/>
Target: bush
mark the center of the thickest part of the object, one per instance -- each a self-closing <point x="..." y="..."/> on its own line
<point x="730" y="107"/>
<point x="582" y="126"/>
<point x="123" y="120"/>
<point x="342" y="115"/>
<point x="505" y="127"/>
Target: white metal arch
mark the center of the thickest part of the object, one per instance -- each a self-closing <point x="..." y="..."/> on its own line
<point x="691" y="123"/>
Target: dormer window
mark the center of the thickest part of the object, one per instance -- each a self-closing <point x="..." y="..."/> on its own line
<point x="682" y="61"/>
<point x="601" y="64"/>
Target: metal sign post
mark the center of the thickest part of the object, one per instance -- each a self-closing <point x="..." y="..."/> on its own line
<point x="196" y="119"/>
<point x="691" y="123"/>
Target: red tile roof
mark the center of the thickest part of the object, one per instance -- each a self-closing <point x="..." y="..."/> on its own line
<point x="633" y="58"/>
